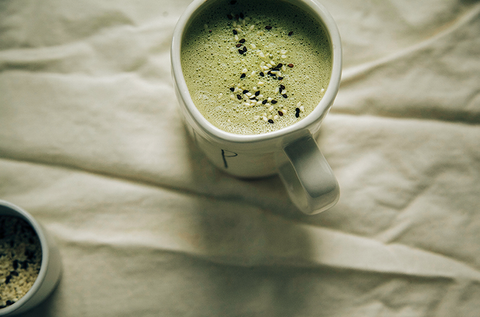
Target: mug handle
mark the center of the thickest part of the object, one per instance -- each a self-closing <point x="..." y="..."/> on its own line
<point x="308" y="178"/>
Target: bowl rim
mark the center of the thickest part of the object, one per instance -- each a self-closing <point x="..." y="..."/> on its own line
<point x="21" y="213"/>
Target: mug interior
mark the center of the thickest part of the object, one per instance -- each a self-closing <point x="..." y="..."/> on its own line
<point x="316" y="10"/>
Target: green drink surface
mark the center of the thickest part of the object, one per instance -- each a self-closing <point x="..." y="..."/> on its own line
<point x="254" y="67"/>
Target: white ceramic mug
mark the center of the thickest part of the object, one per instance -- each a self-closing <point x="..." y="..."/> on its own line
<point x="292" y="151"/>
<point x="50" y="268"/>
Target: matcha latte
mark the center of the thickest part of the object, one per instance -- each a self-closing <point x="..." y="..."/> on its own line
<point x="253" y="67"/>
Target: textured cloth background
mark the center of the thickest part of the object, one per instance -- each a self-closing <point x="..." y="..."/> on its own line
<point x="92" y="145"/>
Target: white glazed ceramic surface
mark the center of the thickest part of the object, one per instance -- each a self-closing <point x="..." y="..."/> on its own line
<point x="50" y="269"/>
<point x="291" y="152"/>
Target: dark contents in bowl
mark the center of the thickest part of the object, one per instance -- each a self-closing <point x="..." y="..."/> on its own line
<point x="20" y="259"/>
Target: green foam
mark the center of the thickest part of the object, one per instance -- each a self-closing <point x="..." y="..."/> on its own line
<point x="212" y="65"/>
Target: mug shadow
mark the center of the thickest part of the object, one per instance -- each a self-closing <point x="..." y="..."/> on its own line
<point x="251" y="237"/>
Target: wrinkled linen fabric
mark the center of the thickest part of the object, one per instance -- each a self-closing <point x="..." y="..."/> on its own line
<point x="92" y="145"/>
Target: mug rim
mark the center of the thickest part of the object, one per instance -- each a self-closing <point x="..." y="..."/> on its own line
<point x="319" y="11"/>
<point x="21" y="213"/>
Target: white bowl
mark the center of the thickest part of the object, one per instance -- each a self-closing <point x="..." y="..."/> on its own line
<point x="50" y="268"/>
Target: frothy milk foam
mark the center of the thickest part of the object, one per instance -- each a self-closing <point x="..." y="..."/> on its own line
<point x="253" y="67"/>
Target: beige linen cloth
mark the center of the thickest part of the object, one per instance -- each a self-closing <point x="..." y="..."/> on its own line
<point x="92" y="145"/>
